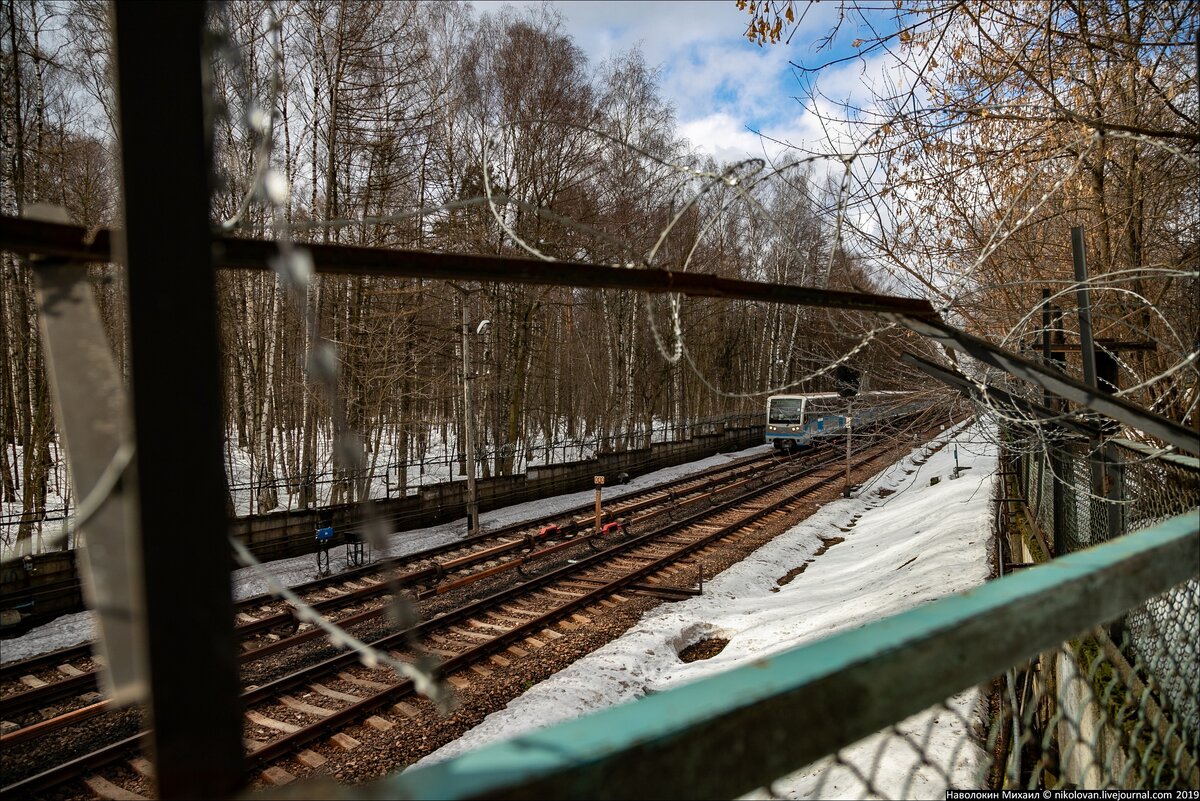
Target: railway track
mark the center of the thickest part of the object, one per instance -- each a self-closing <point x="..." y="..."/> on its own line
<point x="508" y="598"/>
<point x="263" y="620"/>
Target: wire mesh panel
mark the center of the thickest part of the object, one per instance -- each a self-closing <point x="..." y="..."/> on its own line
<point x="1090" y="714"/>
<point x="1127" y="715"/>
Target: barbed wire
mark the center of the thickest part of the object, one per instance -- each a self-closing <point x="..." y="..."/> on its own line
<point x="294" y="268"/>
<point x="739" y="186"/>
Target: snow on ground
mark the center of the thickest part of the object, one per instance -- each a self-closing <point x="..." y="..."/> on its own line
<point x="73" y="629"/>
<point x="909" y="546"/>
<point x="62" y="632"/>
<point x="911" y="543"/>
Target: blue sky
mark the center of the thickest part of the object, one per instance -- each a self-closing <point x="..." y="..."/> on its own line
<point x="720" y="83"/>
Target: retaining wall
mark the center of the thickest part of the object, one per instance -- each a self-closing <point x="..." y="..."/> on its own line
<point x="47" y="585"/>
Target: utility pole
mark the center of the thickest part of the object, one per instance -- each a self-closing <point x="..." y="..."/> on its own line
<point x="849" y="422"/>
<point x="469" y="421"/>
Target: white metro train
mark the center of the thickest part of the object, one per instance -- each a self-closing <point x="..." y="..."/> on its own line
<point x="797" y="421"/>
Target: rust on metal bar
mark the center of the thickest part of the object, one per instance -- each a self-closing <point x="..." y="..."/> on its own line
<point x="54" y="723"/>
<point x="982" y="392"/>
<point x="1064" y="386"/>
<point x="54" y="240"/>
<point x="253" y="254"/>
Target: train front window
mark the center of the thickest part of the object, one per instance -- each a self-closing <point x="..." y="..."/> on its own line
<point x="785" y="410"/>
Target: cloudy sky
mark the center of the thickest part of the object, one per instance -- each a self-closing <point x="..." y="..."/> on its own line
<point x="723" y="87"/>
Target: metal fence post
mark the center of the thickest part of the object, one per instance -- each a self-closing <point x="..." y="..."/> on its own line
<point x="1057" y="465"/>
<point x="177" y="399"/>
<point x="1099" y="508"/>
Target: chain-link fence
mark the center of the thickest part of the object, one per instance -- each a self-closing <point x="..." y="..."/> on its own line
<point x="1117" y="707"/>
<point x="1091" y="714"/>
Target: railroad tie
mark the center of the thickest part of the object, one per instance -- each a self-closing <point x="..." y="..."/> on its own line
<point x="32" y="682"/>
<point x="565" y="593"/>
<point x="379" y="724"/>
<point x="481" y="670"/>
<point x="271" y="723"/>
<point x="406" y="709"/>
<point x="587" y="585"/>
<point x="278" y="776"/>
<point x="441" y="652"/>
<point x="142" y="766"/>
<point x="344" y="741"/>
<point x="550" y="634"/>
<point x="311" y="758"/>
<point x="478" y="636"/>
<point x="517" y="651"/>
<point x="321" y="689"/>
<point x="518" y="611"/>
<point x="492" y="626"/>
<point x="308" y="709"/>
<point x="111" y="792"/>
<point x="499" y="661"/>
<point x="69" y="670"/>
<point x="366" y="683"/>
<point x="459" y="682"/>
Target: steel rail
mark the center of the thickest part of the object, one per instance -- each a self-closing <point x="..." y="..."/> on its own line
<point x="25" y="702"/>
<point x="10" y="670"/>
<point x="301" y="677"/>
<point x="421" y="575"/>
<point x="290" y="742"/>
<point x="20" y="667"/>
<point x="111" y="753"/>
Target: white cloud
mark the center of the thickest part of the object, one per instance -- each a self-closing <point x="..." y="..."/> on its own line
<point x="719" y="83"/>
<point x="722" y="136"/>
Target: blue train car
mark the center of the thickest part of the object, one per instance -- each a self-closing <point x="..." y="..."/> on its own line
<point x="797" y="421"/>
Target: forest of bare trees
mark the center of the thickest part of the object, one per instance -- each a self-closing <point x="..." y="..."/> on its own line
<point x="383" y="124"/>
<point x="1001" y="126"/>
